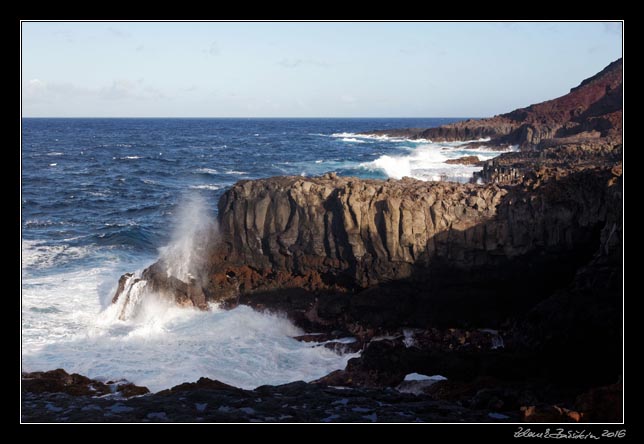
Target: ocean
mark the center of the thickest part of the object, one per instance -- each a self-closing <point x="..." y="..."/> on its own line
<point x="101" y="197"/>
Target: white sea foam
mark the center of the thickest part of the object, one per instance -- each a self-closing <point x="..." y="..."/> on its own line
<point x="427" y="162"/>
<point x="53" y="164"/>
<point x="130" y="157"/>
<point x="68" y="321"/>
<point x="206" y="171"/>
<point x="377" y="137"/>
<point x="236" y="172"/>
<point x="205" y="186"/>
<point x="98" y="193"/>
<point x="39" y="255"/>
<point x="353" y="140"/>
<point x="162" y="345"/>
<point x="416" y="383"/>
<point x="382" y="137"/>
<point x="55" y="153"/>
<point x="420" y="377"/>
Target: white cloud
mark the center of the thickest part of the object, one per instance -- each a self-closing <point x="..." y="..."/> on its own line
<point x="37" y="90"/>
<point x="124" y="89"/>
<point x="35" y="87"/>
<point x="118" y="90"/>
<point x="214" y="50"/>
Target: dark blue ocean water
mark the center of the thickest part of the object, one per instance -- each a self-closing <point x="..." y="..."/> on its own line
<point x="100" y="197"/>
<point x="114" y="183"/>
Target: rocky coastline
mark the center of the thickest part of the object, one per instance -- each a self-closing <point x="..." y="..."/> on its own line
<point x="491" y="284"/>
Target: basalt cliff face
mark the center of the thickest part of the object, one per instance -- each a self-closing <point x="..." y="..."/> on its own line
<point x="335" y="251"/>
<point x="478" y="282"/>
<point x="411" y="246"/>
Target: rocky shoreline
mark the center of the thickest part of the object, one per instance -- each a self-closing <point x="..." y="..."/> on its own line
<point x="592" y="110"/>
<point x="491" y="284"/>
<point x="56" y="396"/>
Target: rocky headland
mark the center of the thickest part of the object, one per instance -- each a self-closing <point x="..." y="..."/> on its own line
<point x="592" y="110"/>
<point x="510" y="286"/>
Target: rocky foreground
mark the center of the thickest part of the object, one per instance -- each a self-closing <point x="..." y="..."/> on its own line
<point x="510" y="287"/>
<point x="56" y="396"/>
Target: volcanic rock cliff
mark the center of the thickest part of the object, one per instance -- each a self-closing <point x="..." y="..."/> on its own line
<point x="462" y="247"/>
<point x="590" y="111"/>
<point x="534" y="251"/>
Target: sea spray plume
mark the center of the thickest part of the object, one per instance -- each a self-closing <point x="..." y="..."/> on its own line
<point x="185" y="256"/>
<point x="178" y="276"/>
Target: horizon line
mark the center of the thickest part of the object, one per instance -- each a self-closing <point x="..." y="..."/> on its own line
<point x="252" y="117"/>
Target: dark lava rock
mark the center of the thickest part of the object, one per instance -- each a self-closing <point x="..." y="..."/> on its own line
<point x="59" y="381"/>
<point x="213" y="401"/>
<point x="465" y="160"/>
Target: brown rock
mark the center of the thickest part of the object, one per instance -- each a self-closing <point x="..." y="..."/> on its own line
<point x="549" y="413"/>
<point x="594" y="107"/>
<point x="121" y="286"/>
<point x="201" y="384"/>
<point x="602" y="404"/>
<point x="465" y="160"/>
<point x="59" y="381"/>
<point x="129" y="390"/>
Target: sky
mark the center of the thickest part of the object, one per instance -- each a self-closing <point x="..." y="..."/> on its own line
<point x="305" y="69"/>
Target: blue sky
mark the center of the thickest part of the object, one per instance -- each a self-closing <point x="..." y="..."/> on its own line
<point x="194" y="69"/>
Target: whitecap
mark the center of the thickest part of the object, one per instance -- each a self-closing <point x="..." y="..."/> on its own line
<point x="98" y="193"/>
<point x="206" y="171"/>
<point x="378" y="137"/>
<point x="39" y="255"/>
<point x="427" y="162"/>
<point x="206" y="186"/>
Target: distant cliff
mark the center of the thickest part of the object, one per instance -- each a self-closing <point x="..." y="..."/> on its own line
<point x="591" y="110"/>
